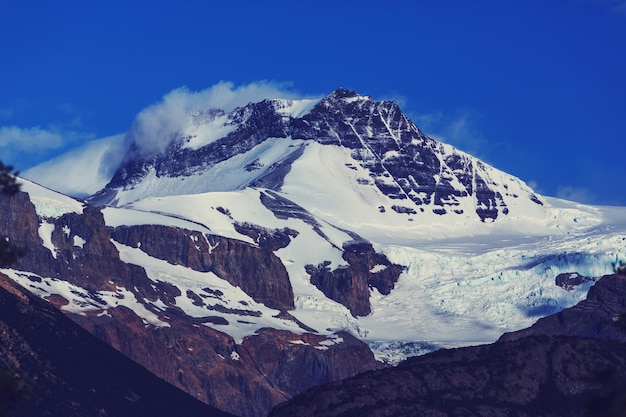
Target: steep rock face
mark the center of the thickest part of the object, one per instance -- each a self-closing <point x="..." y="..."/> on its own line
<point x="296" y="363"/>
<point x="84" y="245"/>
<point x="68" y="372"/>
<point x="351" y="285"/>
<point x="254" y="269"/>
<point x="403" y="162"/>
<point x="569" y="364"/>
<point x="19" y="219"/>
<point x="81" y="251"/>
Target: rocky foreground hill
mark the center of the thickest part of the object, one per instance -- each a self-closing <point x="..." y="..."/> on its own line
<point x="569" y="364"/>
<point x="50" y="366"/>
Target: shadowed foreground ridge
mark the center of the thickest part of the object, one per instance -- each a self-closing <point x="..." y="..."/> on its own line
<point x="569" y="364"/>
<point x="62" y="370"/>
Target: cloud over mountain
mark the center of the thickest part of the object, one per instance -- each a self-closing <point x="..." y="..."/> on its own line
<point x="90" y="167"/>
<point x="94" y="163"/>
<point x="34" y="143"/>
<point x="157" y="125"/>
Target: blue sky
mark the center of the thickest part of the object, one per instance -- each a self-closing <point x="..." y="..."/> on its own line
<point x="535" y="88"/>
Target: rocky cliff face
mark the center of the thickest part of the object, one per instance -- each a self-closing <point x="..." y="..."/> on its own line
<point x="403" y="162"/>
<point x="255" y="269"/>
<point x="81" y="251"/>
<point x="247" y="379"/>
<point x="352" y="284"/>
<point x="569" y="364"/>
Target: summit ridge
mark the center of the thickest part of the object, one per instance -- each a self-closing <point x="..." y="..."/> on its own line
<point x="408" y="170"/>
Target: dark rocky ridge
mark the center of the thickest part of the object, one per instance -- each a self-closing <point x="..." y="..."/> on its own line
<point x="569" y="364"/>
<point x="402" y="162"/>
<point x="373" y="129"/>
<point x="602" y="315"/>
<point x="68" y="372"/>
<point x="265" y="238"/>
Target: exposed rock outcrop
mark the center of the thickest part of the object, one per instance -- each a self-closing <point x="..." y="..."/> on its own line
<point x="296" y="363"/>
<point x="351" y="285"/>
<point x="404" y="163"/>
<point x="255" y="269"/>
<point x="79" y="249"/>
<point x="269" y="239"/>
<point x="570" y="280"/>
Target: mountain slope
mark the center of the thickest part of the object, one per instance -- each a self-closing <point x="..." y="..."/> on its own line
<point x="570" y="372"/>
<point x="68" y="372"/>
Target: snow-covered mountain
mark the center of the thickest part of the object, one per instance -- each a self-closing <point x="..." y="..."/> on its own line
<point x="352" y="143"/>
<point x="298" y="234"/>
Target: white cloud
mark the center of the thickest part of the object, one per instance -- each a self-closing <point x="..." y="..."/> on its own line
<point x="6" y="113"/>
<point x="534" y="185"/>
<point x="28" y="138"/>
<point x="82" y="171"/>
<point x="157" y="125"/>
<point x="459" y="131"/>
<point x="93" y="164"/>
<point x="578" y="194"/>
<point x="26" y="146"/>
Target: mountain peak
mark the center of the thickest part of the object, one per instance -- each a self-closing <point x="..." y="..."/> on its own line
<point x="344" y="93"/>
<point x="407" y="172"/>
